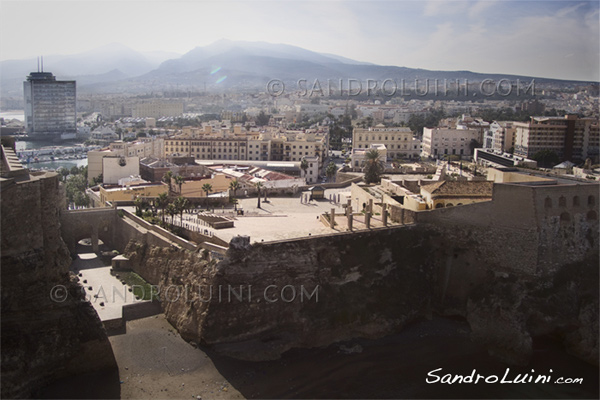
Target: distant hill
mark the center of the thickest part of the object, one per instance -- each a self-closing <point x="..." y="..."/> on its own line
<point x="223" y="65"/>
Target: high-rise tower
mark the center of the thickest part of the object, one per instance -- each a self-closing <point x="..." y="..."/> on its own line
<point x="50" y="105"/>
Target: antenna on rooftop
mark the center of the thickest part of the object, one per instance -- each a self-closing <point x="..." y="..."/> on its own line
<point x="42" y="63"/>
<point x="38" y="64"/>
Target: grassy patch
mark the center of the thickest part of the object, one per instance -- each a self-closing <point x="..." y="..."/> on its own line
<point x="141" y="288"/>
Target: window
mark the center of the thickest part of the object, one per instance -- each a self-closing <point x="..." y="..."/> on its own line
<point x="562" y="201"/>
<point x="591" y="201"/>
<point x="576" y="201"/>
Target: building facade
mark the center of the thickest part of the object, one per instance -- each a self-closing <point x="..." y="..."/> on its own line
<point x="50" y="105"/>
<point x="398" y="141"/>
<point x="570" y="137"/>
<point x="438" y="142"/>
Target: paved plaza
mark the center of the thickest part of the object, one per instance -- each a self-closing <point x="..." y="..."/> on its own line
<point x="280" y="218"/>
<point x="111" y="294"/>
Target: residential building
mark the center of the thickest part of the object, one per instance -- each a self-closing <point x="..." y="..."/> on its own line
<point x="446" y="141"/>
<point x="570" y="137"/>
<point x="118" y="167"/>
<point x="270" y="145"/>
<point x="358" y="156"/>
<point x="50" y="105"/>
<point x="398" y="141"/>
<point x="144" y="147"/>
<point x="157" y="109"/>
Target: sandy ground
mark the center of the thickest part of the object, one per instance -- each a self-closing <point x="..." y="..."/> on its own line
<point x="155" y="362"/>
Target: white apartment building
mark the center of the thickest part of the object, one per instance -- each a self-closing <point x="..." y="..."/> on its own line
<point x="358" y="156"/>
<point x="500" y="136"/>
<point x="398" y="141"/>
<point x="438" y="141"/>
<point x="145" y="147"/>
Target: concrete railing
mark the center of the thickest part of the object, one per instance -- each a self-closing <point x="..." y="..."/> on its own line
<point x="161" y="231"/>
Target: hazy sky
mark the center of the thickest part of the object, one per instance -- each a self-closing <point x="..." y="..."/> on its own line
<point x="556" y="39"/>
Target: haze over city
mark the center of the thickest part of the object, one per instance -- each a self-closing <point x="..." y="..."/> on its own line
<point x="551" y="39"/>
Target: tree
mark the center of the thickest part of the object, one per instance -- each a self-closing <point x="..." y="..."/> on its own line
<point x="179" y="180"/>
<point x="98" y="180"/>
<point x="373" y="166"/>
<point x="258" y="186"/>
<point x="234" y="185"/>
<point x="167" y="179"/>
<point x="172" y="211"/>
<point x="162" y="201"/>
<point x="75" y="184"/>
<point x="304" y="165"/>
<point x="262" y="119"/>
<point x="181" y="204"/>
<point x="546" y="158"/>
<point x="207" y="187"/>
<point x="331" y="170"/>
<point x="64" y="173"/>
<point x="140" y="205"/>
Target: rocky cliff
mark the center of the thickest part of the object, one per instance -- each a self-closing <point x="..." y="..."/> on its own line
<point x="48" y="331"/>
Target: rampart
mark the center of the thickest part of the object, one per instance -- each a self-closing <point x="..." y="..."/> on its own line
<point x="43" y="338"/>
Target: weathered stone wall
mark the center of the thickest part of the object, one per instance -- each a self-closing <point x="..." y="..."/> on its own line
<point x="42" y="339"/>
<point x="87" y="223"/>
<point x="487" y="262"/>
<point x="368" y="284"/>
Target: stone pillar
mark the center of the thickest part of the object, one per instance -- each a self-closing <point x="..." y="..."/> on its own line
<point x="368" y="219"/>
<point x="370" y="210"/>
<point x="350" y="217"/>
<point x="402" y="216"/>
<point x="94" y="239"/>
<point x="332" y="218"/>
<point x="384" y="213"/>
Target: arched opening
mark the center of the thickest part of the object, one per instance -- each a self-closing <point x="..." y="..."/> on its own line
<point x="439" y="205"/>
<point x="575" y="201"/>
<point x="591" y="200"/>
<point x="592" y="215"/>
<point x="449" y="205"/>
<point x="562" y="201"/>
<point x="565" y="217"/>
<point x="548" y="202"/>
<point x="459" y="204"/>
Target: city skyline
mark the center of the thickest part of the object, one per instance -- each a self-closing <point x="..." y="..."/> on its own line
<point x="556" y="39"/>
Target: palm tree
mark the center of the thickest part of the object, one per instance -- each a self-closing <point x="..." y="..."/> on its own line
<point x="331" y="170"/>
<point x="179" y="180"/>
<point x="167" y="179"/>
<point x="172" y="211"/>
<point x="304" y="165"/>
<point x="180" y="203"/>
<point x="207" y="187"/>
<point x="258" y="186"/>
<point x="161" y="203"/>
<point x="373" y="166"/>
<point x="140" y="205"/>
<point x="234" y="185"/>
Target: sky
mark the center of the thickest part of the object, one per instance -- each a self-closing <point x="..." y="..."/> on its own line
<point x="553" y="39"/>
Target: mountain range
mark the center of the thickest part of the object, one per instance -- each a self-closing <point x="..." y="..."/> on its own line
<point x="223" y="65"/>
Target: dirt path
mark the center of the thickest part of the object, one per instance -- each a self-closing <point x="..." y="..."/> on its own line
<point x="155" y="362"/>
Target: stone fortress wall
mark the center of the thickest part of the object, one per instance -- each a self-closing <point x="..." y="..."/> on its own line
<point x="42" y="339"/>
<point x="471" y="261"/>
